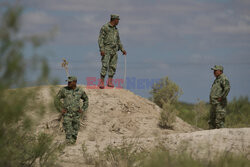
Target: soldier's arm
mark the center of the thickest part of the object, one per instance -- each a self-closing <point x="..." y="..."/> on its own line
<point x="226" y="88"/>
<point x="120" y="46"/>
<point x="57" y="100"/>
<point x="101" y="39"/>
<point x="85" y="99"/>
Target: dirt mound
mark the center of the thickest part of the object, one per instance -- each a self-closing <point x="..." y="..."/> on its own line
<point x="208" y="144"/>
<point x="118" y="115"/>
<point x="113" y="116"/>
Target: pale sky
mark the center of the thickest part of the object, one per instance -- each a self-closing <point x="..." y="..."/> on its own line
<point x="181" y="39"/>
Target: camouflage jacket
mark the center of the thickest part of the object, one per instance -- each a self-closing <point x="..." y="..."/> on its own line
<point x="109" y="38"/>
<point x="220" y="89"/>
<point x="71" y="99"/>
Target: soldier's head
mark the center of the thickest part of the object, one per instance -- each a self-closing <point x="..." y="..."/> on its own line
<point x="218" y="70"/>
<point x="114" y="19"/>
<point x="72" y="80"/>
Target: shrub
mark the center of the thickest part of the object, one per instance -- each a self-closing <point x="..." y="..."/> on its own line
<point x="165" y="94"/>
<point x="165" y="90"/>
<point x="238" y="113"/>
<point x="201" y="112"/>
<point x="167" y="116"/>
<point x="19" y="145"/>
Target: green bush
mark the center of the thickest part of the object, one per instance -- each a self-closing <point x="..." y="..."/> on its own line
<point x="165" y="94"/>
<point x="186" y="112"/>
<point x="167" y="116"/>
<point x="165" y="90"/>
<point x="194" y="114"/>
<point x="19" y="145"/>
<point x="238" y="113"/>
<point x="201" y="113"/>
<point x="24" y="149"/>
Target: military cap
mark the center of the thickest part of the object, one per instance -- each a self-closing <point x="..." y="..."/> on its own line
<point x="72" y="78"/>
<point x="113" y="16"/>
<point x="217" y="67"/>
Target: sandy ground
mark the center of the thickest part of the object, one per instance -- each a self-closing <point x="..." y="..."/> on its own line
<point x="118" y="115"/>
<point x="208" y="144"/>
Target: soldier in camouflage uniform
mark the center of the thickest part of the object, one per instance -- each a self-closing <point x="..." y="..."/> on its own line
<point x="70" y="108"/>
<point x="109" y="43"/>
<point x="218" y="98"/>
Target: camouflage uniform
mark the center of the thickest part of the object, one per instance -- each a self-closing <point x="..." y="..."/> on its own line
<point x="109" y="43"/>
<point x="71" y="103"/>
<point x="220" y="89"/>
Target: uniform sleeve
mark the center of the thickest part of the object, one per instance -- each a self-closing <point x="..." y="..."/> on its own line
<point x="101" y="38"/>
<point x="120" y="46"/>
<point x="85" y="99"/>
<point x="57" y="100"/>
<point x="226" y="88"/>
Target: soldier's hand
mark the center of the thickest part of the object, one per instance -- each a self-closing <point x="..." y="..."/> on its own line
<point x="80" y="111"/>
<point x="64" y="111"/>
<point x="124" y="52"/>
<point x="219" y="99"/>
<point x="102" y="53"/>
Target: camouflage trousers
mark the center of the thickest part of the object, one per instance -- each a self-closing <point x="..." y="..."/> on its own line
<point x="109" y="63"/>
<point x="217" y="116"/>
<point x="71" y="125"/>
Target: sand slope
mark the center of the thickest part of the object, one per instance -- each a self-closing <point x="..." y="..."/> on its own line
<point x="118" y="115"/>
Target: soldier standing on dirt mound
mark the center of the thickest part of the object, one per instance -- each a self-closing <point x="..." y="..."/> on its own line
<point x="109" y="43"/>
<point x="218" y="98"/>
<point x="70" y="108"/>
